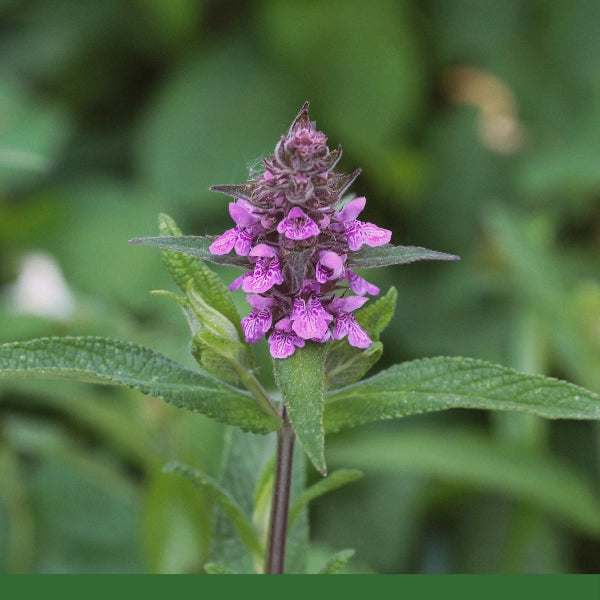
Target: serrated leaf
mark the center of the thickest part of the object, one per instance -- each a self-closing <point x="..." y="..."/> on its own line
<point x="332" y="482"/>
<point x="224" y="501"/>
<point x="211" y="361"/>
<point x="346" y="364"/>
<point x="300" y="378"/>
<point x="469" y="458"/>
<point x="337" y="562"/>
<point x="382" y="256"/>
<point x="210" y="318"/>
<point x="216" y="343"/>
<point x="102" y="360"/>
<point x="375" y="316"/>
<point x="184" y="268"/>
<point x="440" y="383"/>
<point x="193" y="245"/>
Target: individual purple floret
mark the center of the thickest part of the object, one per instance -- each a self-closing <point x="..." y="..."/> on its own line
<point x="297" y="233"/>
<point x="283" y="341"/>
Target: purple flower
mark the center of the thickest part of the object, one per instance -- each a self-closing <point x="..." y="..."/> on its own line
<point x="309" y="319"/>
<point x="238" y="238"/>
<point x="267" y="271"/>
<point x="297" y="225"/>
<point x="241" y="236"/>
<point x="329" y="266"/>
<point x="359" y="285"/>
<point x="358" y="232"/>
<point x="260" y="319"/>
<point x="297" y="233"/>
<point x="283" y="341"/>
<point x="346" y="325"/>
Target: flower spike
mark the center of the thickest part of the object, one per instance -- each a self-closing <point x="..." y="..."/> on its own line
<point x="297" y="234"/>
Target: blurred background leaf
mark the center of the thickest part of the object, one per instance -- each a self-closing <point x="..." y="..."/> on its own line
<point x="476" y="125"/>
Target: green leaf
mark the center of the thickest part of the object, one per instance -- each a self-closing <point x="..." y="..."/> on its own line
<point x="345" y="364"/>
<point x="216" y="341"/>
<point x="210" y="318"/>
<point x="206" y="282"/>
<point x="224" y="501"/>
<point x="465" y="457"/>
<point x="450" y="382"/>
<point x="300" y="378"/>
<point x="216" y="362"/>
<point x="337" y="562"/>
<point x="375" y="316"/>
<point x="393" y="255"/>
<point x="193" y="245"/>
<point x="244" y="459"/>
<point x="102" y="360"/>
<point x="332" y="482"/>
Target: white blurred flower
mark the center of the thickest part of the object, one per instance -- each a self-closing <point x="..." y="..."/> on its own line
<point x="41" y="289"/>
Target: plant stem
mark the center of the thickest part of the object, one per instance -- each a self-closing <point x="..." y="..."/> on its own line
<point x="275" y="561"/>
<point x="256" y="389"/>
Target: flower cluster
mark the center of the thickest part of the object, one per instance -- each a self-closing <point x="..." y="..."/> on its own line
<point x="296" y="232"/>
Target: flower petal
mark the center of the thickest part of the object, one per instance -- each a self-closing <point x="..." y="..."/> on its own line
<point x="241" y="213"/>
<point x="351" y="210"/>
<point x="283" y="341"/>
<point x="330" y="266"/>
<point x="224" y="243"/>
<point x="256" y="324"/>
<point x="237" y="282"/>
<point x="243" y="243"/>
<point x="309" y="319"/>
<point x="347" y="304"/>
<point x="297" y="225"/>
<point x="361" y="286"/>
<point x="346" y="325"/>
<point x="359" y="233"/>
<point x="267" y="273"/>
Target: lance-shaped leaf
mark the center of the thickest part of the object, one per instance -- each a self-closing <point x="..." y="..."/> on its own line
<point x="224" y="501"/>
<point x="193" y="245"/>
<point x="101" y="360"/>
<point x="450" y="382"/>
<point x="300" y="378"/>
<point x="236" y="191"/>
<point x="388" y="254"/>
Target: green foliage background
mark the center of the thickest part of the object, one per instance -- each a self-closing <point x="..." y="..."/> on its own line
<point x="477" y="128"/>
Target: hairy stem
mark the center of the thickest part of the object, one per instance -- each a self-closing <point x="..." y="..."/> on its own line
<point x="256" y="389"/>
<point x="275" y="560"/>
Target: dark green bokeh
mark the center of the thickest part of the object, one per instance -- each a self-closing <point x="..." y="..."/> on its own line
<point x="477" y="128"/>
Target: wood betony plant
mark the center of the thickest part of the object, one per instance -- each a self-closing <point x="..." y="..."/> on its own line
<point x="299" y="241"/>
